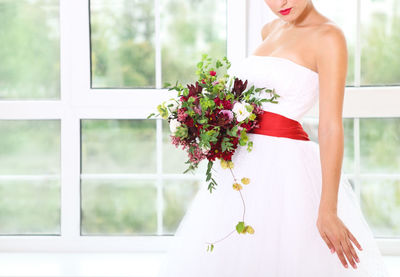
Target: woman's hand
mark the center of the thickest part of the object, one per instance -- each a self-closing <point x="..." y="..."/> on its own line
<point x="338" y="237"/>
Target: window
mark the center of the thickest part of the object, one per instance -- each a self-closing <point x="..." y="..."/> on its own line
<point x="79" y="163"/>
<point x="87" y="164"/>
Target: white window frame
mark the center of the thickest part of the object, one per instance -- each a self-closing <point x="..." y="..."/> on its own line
<point x="78" y="101"/>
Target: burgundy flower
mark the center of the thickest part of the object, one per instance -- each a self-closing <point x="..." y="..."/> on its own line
<point x="194" y="90"/>
<point x="238" y="87"/>
<point x="189" y="121"/>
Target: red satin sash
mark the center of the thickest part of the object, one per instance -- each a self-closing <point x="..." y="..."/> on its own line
<point x="273" y="124"/>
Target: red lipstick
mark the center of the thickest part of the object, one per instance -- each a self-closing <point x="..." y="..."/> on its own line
<point x="285" y="12"/>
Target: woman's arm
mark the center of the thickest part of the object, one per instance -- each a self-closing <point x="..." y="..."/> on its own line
<point x="332" y="68"/>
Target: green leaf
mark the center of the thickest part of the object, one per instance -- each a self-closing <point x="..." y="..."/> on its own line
<point x="150" y="115"/>
<point x="249" y="108"/>
<point x="209" y="166"/>
<point x="240" y="227"/>
<point x="223" y="146"/>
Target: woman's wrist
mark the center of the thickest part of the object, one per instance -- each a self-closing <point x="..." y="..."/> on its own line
<point x="325" y="208"/>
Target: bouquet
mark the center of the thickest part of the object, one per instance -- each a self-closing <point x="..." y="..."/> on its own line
<point x="211" y="117"/>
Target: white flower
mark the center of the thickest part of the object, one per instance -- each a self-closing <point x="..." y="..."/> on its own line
<point x="173" y="125"/>
<point x="240" y="111"/>
<point x="174" y="106"/>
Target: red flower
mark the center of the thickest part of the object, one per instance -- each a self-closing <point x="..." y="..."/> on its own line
<point x="189" y="121"/>
<point x="213" y="73"/>
<point x="227" y="105"/>
<point x="247" y="126"/>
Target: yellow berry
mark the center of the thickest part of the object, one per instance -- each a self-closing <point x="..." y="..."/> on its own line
<point x="230" y="164"/>
<point x="237" y="186"/>
<point x="224" y="164"/>
<point x="249" y="229"/>
<point x="245" y="181"/>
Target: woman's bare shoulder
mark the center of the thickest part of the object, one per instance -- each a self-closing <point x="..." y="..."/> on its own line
<point x="330" y="49"/>
<point x="329" y="32"/>
<point x="268" y="27"/>
<point x="328" y="37"/>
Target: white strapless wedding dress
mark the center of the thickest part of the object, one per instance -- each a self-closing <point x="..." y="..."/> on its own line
<point x="282" y="199"/>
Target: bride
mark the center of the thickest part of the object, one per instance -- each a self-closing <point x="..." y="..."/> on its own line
<point x="306" y="216"/>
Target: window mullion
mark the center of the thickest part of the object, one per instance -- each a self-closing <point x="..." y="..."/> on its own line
<point x="159" y="181"/>
<point x="357" y="185"/>
<point x="357" y="54"/>
<point x="70" y="177"/>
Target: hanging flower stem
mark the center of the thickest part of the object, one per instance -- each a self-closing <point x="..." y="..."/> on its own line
<point x="244" y="205"/>
<point x="240" y="227"/>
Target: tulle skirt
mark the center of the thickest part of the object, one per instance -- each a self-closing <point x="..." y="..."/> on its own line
<point x="282" y="203"/>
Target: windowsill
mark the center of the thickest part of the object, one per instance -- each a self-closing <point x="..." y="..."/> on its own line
<point x="100" y="264"/>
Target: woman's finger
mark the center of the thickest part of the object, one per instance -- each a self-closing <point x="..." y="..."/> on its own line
<point x="353" y="239"/>
<point x="348" y="252"/>
<point x="328" y="242"/>
<point x="345" y="253"/>
<point x="339" y="252"/>
<point x="353" y="251"/>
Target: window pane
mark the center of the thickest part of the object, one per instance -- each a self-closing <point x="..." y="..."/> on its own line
<point x="118" y="146"/>
<point x="122" y="43"/>
<point x="380" y="24"/>
<point x="29" y="207"/>
<point x="119" y="207"/>
<point x="30" y="177"/>
<point x="380" y="145"/>
<point x="178" y="195"/>
<point x="29" y="147"/>
<point x="29" y="52"/>
<point x="186" y="33"/>
<point x="343" y="13"/>
<point x="381" y="206"/>
<point x="112" y="205"/>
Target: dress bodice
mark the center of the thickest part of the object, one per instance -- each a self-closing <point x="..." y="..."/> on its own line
<point x="297" y="85"/>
